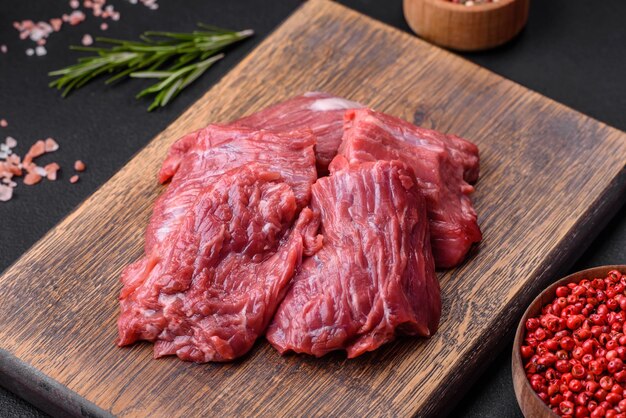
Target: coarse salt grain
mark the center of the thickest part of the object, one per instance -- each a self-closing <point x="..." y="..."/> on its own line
<point x="4" y="123"/>
<point x="41" y="171"/>
<point x="51" y="171"/>
<point x="10" y="141"/>
<point x="32" y="178"/>
<point x="74" y="4"/>
<point x="30" y="52"/>
<point x="3" y="49"/>
<point x="56" y="24"/>
<point x="50" y="145"/>
<point x="76" y="17"/>
<point x="87" y="40"/>
<point x="79" y="166"/>
<point x="40" y="51"/>
<point x="104" y="26"/>
<point x="6" y="192"/>
<point x="74" y="179"/>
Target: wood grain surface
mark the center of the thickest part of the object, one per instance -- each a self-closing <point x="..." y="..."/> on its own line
<point x="550" y="178"/>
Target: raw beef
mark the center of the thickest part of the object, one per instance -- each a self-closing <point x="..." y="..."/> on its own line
<point x="211" y="292"/>
<point x="320" y="112"/>
<point x="209" y="152"/>
<point x="200" y="166"/>
<point x="373" y="278"/>
<point x="371" y="136"/>
<point x="323" y="113"/>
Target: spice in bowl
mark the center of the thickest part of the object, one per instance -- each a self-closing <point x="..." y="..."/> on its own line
<point x="574" y="351"/>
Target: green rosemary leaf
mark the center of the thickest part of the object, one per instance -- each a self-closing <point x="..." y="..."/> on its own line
<point x="176" y="59"/>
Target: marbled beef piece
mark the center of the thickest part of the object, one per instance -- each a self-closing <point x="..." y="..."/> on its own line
<point x="199" y="165"/>
<point x="196" y="158"/>
<point x="374" y="277"/>
<point x="211" y="290"/>
<point x="372" y="136"/>
<point x="322" y="113"/>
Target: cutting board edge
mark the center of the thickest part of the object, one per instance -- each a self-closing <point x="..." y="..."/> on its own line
<point x="44" y="392"/>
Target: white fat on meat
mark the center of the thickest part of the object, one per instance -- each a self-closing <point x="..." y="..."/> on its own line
<point x="333" y="103"/>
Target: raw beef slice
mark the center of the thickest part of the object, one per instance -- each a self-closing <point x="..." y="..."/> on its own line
<point x="198" y="157"/>
<point x="212" y="291"/>
<point x="321" y="112"/>
<point x="195" y="164"/>
<point x="374" y="276"/>
<point x="372" y="136"/>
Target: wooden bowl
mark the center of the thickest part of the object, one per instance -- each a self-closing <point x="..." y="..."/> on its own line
<point x="466" y="28"/>
<point x="530" y="404"/>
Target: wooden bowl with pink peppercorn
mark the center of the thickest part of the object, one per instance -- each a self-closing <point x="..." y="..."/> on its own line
<point x="466" y="25"/>
<point x="574" y="352"/>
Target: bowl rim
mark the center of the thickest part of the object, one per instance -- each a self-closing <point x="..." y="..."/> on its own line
<point x="477" y="8"/>
<point x="517" y="360"/>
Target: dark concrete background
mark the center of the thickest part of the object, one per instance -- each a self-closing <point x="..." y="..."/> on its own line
<point x="571" y="51"/>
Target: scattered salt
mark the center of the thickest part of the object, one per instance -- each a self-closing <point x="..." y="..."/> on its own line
<point x="3" y="123"/>
<point x="31" y="179"/>
<point x="76" y="17"/>
<point x="74" y="178"/>
<point x="79" y="166"/>
<point x="51" y="171"/>
<point x="38" y="32"/>
<point x="87" y="40"/>
<point x="50" y="145"/>
<point x="56" y="24"/>
<point x="10" y="141"/>
<point x="3" y="49"/>
<point x="6" y="192"/>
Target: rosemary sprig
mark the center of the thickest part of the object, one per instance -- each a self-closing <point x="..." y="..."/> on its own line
<point x="175" y="59"/>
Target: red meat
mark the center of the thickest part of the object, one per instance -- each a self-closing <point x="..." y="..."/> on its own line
<point x="320" y="112"/>
<point x="372" y="136"/>
<point x="198" y="157"/>
<point x="214" y="289"/>
<point x="218" y="251"/>
<point x="374" y="277"/>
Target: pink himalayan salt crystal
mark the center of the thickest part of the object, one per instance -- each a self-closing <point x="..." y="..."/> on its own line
<point x="50" y="145"/>
<point x="74" y="179"/>
<point x="74" y="4"/>
<point x="32" y="178"/>
<point x="6" y="192"/>
<point x="104" y="26"/>
<point x="56" y="24"/>
<point x="79" y="166"/>
<point x="4" y="123"/>
<point x="51" y="171"/>
<point x="87" y="40"/>
<point x="36" y="150"/>
<point x="10" y="141"/>
<point x="3" y="49"/>
<point x="76" y="17"/>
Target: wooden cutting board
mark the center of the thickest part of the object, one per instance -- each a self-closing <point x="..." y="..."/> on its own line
<point x="550" y="178"/>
